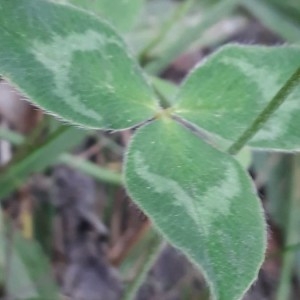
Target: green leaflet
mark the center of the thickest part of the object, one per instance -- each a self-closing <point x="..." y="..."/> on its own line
<point x="123" y="14"/>
<point x="71" y="64"/>
<point x="202" y="201"/>
<point x="226" y="93"/>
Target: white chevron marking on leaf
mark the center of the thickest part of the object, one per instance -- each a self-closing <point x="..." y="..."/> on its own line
<point x="203" y="209"/>
<point x="57" y="56"/>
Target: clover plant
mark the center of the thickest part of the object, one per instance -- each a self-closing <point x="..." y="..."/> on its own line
<point x="180" y="166"/>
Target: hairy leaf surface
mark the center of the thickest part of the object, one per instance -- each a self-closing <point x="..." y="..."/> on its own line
<point x="202" y="201"/>
<point x="227" y="92"/>
<point x="70" y="63"/>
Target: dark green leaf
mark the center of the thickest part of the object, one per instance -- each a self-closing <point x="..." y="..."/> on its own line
<point x="71" y="64"/>
<point x="228" y="91"/>
<point x="202" y="201"/>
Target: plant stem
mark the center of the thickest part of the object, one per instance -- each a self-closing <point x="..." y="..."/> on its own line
<point x="102" y="174"/>
<point x="151" y="257"/>
<point x="39" y="157"/>
<point x="178" y="13"/>
<point x="289" y="248"/>
<point x="291" y="231"/>
<point x="13" y="137"/>
<point x="267" y="112"/>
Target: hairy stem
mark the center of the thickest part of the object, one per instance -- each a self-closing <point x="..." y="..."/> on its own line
<point x="265" y="115"/>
